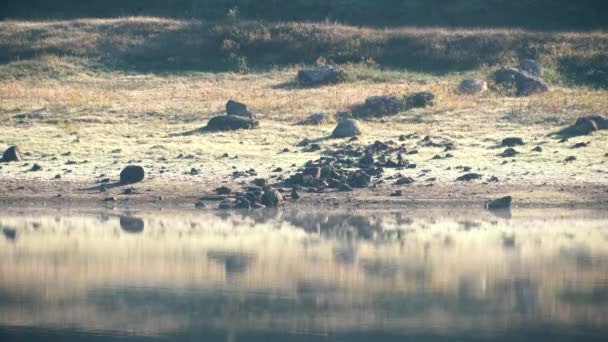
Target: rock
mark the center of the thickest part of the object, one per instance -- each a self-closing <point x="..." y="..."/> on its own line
<point x="320" y="75"/>
<point x="199" y="204"/>
<point x="230" y="123"/>
<point x="314" y="172"/>
<point x="531" y="66"/>
<point x="131" y="224"/>
<point x="294" y="194"/>
<point x="580" y="145"/>
<point x="420" y="100"/>
<point x="359" y="179"/>
<point x="468" y="177"/>
<point x="239" y="109"/>
<point x="347" y="128"/>
<point x="272" y="198"/>
<point x="472" y="87"/>
<point x="512" y="142"/>
<point x="570" y="159"/>
<point x="397" y="193"/>
<point x="223" y="190"/>
<point x="314" y="119"/>
<point x="501" y="203"/>
<point x="537" y="149"/>
<point x="36" y="168"/>
<point x="509" y="152"/>
<point x="379" y="106"/>
<point x="194" y="171"/>
<point x="225" y="205"/>
<point x="242" y="203"/>
<point x="344" y="187"/>
<point x="261" y="182"/>
<point x="525" y="83"/>
<point x="11" y="154"/>
<point x="584" y="125"/>
<point x="132" y="174"/>
<point x="404" y="181"/>
<point x="110" y="199"/>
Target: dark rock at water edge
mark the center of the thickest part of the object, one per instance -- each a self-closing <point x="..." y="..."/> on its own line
<point x="11" y="154"/>
<point x="272" y="198"/>
<point x="501" y="203"/>
<point x="132" y="174"/>
<point x="320" y="75"/>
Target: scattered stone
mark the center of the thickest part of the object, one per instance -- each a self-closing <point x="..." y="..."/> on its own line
<point x="468" y="177"/>
<point x="304" y="143"/>
<point x="225" y="205"/>
<point x="109" y="199"/>
<point x="580" y="145"/>
<point x="320" y="75"/>
<point x="404" y="181"/>
<point x="132" y="174"/>
<point x="57" y="177"/>
<point x="570" y="159"/>
<point x="272" y="198"/>
<point x="36" y="168"/>
<point x="420" y="100"/>
<point x="509" y="152"/>
<point x="397" y="193"/>
<point x="230" y="123"/>
<point x="261" y="182"/>
<point x="537" y="149"/>
<point x="235" y="108"/>
<point x="472" y="87"/>
<point x="315" y="119"/>
<point x="294" y="194"/>
<point x="313" y="148"/>
<point x="501" y="203"/>
<point x="11" y="154"/>
<point x="344" y="187"/>
<point x="194" y="171"/>
<point x="531" y="66"/>
<point x="359" y="180"/>
<point x="512" y="142"/>
<point x="347" y="128"/>
<point x="223" y="190"/>
<point x="379" y="106"/>
<point x="199" y="204"/>
<point x="278" y="169"/>
<point x="493" y="179"/>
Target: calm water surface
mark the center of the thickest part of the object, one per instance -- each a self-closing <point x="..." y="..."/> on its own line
<point x="304" y="276"/>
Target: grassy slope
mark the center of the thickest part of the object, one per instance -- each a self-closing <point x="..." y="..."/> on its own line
<point x="537" y="14"/>
<point x="164" y="45"/>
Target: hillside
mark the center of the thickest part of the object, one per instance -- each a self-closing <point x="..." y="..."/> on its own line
<point x="533" y="14"/>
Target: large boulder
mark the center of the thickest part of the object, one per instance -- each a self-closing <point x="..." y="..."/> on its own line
<point x="347" y="128"/>
<point x="132" y="174"/>
<point x="420" y="100"/>
<point x="525" y="83"/>
<point x="11" y="154"/>
<point x="320" y="75"/>
<point x="230" y="123"/>
<point x="584" y="125"/>
<point x="239" y="109"/>
<point x="531" y="66"/>
<point x="472" y="87"/>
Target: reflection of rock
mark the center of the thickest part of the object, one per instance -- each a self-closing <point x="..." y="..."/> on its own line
<point x="9" y="233"/>
<point x="234" y="262"/>
<point x="339" y="226"/>
<point x="345" y="255"/>
<point x="131" y="224"/>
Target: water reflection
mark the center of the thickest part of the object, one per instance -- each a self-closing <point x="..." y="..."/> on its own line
<point x="426" y="275"/>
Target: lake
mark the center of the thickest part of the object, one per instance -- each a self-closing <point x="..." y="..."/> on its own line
<point x="419" y="275"/>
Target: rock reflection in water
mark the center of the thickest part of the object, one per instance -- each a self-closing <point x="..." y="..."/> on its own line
<point x="336" y="274"/>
